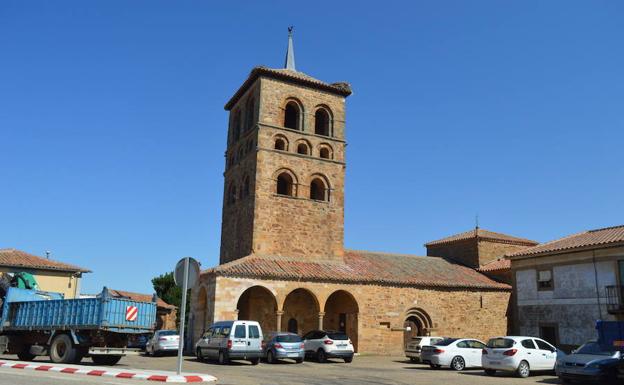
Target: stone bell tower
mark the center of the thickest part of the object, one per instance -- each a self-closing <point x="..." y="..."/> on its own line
<point x="285" y="166"/>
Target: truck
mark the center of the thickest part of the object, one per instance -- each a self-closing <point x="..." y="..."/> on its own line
<point x="39" y="323"/>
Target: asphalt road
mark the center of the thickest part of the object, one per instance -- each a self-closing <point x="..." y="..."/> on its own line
<point x="363" y="370"/>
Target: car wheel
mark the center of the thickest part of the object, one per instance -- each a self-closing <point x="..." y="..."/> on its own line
<point x="199" y="355"/>
<point x="321" y="356"/>
<point x="458" y="363"/>
<point x="223" y="358"/>
<point x="490" y="372"/>
<point x="348" y="360"/>
<point x="25" y="354"/>
<point x="523" y="369"/>
<point x="270" y="357"/>
<point x="255" y="361"/>
<point x="299" y="360"/>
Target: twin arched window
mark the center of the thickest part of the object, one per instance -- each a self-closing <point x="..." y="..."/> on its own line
<point x="321" y="122"/>
<point x="293" y="119"/>
<point x="319" y="189"/>
<point x="285" y="184"/>
<point x="292" y="116"/>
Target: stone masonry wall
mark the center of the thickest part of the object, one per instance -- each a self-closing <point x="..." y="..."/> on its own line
<point x="465" y="252"/>
<point x="381" y="309"/>
<point x="489" y="251"/>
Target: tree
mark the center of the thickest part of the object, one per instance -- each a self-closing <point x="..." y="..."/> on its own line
<point x="167" y="290"/>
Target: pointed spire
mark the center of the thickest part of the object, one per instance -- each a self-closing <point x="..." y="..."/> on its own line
<point x="290" y="52"/>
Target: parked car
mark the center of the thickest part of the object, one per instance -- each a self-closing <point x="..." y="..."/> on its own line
<point x="413" y="348"/>
<point x="590" y="362"/>
<point x="231" y="340"/>
<point x="456" y="353"/>
<point x="280" y="345"/>
<point x="163" y="341"/>
<point x="324" y="344"/>
<point x="518" y="354"/>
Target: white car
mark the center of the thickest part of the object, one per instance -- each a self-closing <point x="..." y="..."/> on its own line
<point x="518" y="354"/>
<point x="322" y="345"/>
<point x="413" y="348"/>
<point x="456" y="353"/>
<point x="163" y="341"/>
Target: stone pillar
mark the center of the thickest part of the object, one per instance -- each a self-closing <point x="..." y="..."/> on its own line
<point x="321" y="314"/>
<point x="279" y="315"/>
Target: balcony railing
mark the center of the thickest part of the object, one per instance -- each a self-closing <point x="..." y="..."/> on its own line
<point x="615" y="296"/>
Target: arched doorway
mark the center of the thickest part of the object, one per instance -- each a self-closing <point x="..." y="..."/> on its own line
<point x="258" y="304"/>
<point x="301" y="309"/>
<point x="341" y="313"/>
<point x="418" y="322"/>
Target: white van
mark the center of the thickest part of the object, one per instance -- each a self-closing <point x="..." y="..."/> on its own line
<point x="231" y="340"/>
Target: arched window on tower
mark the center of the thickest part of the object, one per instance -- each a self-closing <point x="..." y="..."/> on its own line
<point x="318" y="190"/>
<point x="281" y="143"/>
<point x="285" y="184"/>
<point x="292" y="116"/>
<point x="303" y="148"/>
<point x="250" y="114"/>
<point x="322" y="122"/>
<point x="325" y="152"/>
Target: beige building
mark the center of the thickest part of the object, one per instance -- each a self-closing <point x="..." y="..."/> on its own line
<point x="562" y="287"/>
<point x="50" y="275"/>
<point x="283" y="260"/>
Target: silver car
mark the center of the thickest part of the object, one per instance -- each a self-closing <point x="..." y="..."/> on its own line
<point x="163" y="341"/>
<point x="589" y="363"/>
<point x="280" y="345"/>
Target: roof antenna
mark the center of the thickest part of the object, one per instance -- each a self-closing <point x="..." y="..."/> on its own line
<point x="477" y="222"/>
<point x="290" y="52"/>
<point x="47" y="255"/>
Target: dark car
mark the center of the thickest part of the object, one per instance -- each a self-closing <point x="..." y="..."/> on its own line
<point x="589" y="363"/>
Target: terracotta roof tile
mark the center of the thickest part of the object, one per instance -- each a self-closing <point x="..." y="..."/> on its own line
<point x="599" y="237"/>
<point x="339" y="88"/>
<point x="500" y="264"/>
<point x="20" y="259"/>
<point x="140" y="297"/>
<point x="484" y="235"/>
<point x="362" y="267"/>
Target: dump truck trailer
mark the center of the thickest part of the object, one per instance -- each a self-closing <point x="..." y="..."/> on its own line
<point x="37" y="323"/>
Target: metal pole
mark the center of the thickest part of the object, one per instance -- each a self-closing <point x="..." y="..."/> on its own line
<point x="183" y="315"/>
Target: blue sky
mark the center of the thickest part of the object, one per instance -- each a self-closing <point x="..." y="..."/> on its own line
<point x="113" y="130"/>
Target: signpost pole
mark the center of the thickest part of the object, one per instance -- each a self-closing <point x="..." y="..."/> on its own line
<point x="183" y="315"/>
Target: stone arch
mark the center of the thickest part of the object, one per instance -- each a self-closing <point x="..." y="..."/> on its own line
<point x="201" y="314"/>
<point x="323" y="121"/>
<point x="302" y="306"/>
<point x="419" y="321"/>
<point x="293" y="114"/>
<point x="303" y="147"/>
<point x="258" y="303"/>
<point x="280" y="142"/>
<point x="325" y="151"/>
<point x="285" y="182"/>
<point x="341" y="313"/>
<point x="319" y="187"/>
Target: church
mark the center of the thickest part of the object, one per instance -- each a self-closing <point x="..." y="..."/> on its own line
<point x="282" y="259"/>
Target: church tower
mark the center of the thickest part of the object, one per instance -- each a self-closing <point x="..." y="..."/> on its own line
<point x="285" y="166"/>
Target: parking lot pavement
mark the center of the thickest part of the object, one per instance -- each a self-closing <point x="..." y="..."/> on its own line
<point x="363" y="370"/>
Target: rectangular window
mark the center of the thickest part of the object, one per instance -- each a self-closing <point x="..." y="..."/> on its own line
<point x="549" y="334"/>
<point x="254" y="332"/>
<point x="544" y="280"/>
<point x="239" y="332"/>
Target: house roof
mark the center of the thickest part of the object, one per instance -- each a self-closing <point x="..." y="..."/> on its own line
<point x="599" y="238"/>
<point x="340" y="88"/>
<point x="362" y="267"/>
<point x="21" y="259"/>
<point x="140" y="297"/>
<point x="483" y="234"/>
<point x="497" y="265"/>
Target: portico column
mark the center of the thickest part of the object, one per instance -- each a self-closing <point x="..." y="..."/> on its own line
<point x="279" y="315"/>
<point x="321" y="314"/>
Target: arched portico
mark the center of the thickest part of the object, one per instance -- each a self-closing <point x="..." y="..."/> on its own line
<point x="258" y="303"/>
<point x="341" y="314"/>
<point x="301" y="311"/>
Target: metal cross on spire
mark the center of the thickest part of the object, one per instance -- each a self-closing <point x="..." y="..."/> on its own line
<point x="290" y="52"/>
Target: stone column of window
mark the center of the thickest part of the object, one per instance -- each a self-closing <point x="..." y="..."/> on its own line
<point x="279" y="315"/>
<point x="321" y="314"/>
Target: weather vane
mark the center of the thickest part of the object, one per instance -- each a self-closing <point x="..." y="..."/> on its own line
<point x="290" y="29"/>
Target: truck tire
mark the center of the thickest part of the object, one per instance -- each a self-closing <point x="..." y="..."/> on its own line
<point x="25" y="354"/>
<point x="62" y="350"/>
<point x="105" y="359"/>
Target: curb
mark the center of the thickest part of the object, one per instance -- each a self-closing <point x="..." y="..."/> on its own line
<point x="99" y="371"/>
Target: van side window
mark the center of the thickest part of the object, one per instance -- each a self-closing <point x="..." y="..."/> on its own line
<point x="208" y="333"/>
<point x="254" y="332"/>
<point x="239" y="331"/>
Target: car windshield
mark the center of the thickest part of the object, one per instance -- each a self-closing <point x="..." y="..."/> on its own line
<point x="594" y="349"/>
<point x="445" y="342"/>
<point x="167" y="333"/>
<point x="288" y="338"/>
<point x="337" y="336"/>
<point x="500" y="343"/>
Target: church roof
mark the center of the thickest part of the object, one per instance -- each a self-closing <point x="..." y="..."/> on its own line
<point x="362" y="267"/>
<point x="497" y="265"/>
<point x="482" y="234"/>
<point x="340" y="88"/>
<point x="606" y="237"/>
